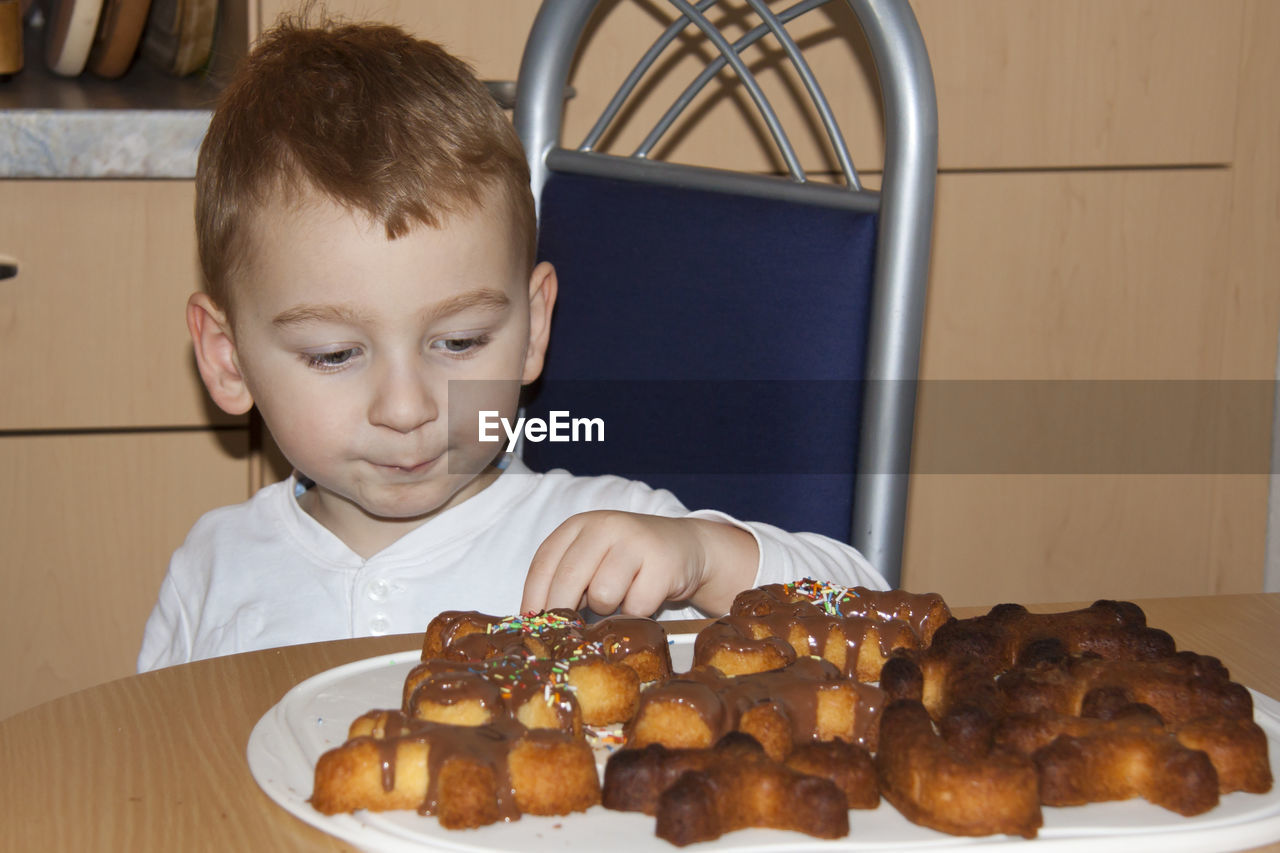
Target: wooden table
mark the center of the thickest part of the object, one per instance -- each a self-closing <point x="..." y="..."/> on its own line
<point x="157" y="761"/>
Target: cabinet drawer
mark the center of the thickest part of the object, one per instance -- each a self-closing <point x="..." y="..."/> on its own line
<point x="88" y="524"/>
<point x="92" y="329"/>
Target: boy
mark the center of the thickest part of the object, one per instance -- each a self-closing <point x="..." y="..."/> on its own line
<point x="366" y="234"/>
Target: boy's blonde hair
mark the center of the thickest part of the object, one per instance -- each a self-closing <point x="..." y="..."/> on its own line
<point x="370" y="117"/>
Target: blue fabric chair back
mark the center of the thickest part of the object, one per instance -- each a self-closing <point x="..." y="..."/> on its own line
<point x="721" y="340"/>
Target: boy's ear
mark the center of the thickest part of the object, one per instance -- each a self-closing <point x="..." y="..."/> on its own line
<point x="215" y="351"/>
<point x="543" y="287"/>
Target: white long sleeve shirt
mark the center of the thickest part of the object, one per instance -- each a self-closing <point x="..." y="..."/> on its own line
<point x="264" y="573"/>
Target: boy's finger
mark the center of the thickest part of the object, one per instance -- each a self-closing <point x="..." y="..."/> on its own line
<point x="612" y="580"/>
<point x="576" y="570"/>
<point x="647" y="592"/>
<point x="537" y="584"/>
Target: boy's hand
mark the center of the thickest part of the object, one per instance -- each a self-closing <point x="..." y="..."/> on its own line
<point x="608" y="560"/>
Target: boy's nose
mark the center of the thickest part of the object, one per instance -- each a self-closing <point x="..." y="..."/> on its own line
<point x="403" y="400"/>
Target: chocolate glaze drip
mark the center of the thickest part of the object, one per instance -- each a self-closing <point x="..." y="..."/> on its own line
<point x="736" y="633"/>
<point x="472" y="636"/>
<point x="467" y="627"/>
<point x="489" y="745"/>
<point x="500" y="685"/>
<point x="923" y="613"/>
<point x="484" y="646"/>
<point x="722" y="700"/>
<point x="794" y="624"/>
<point x="620" y="637"/>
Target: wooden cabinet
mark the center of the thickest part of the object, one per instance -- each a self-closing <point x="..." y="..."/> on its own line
<point x="88" y="523"/>
<point x="93" y="325"/>
<point x="109" y="448"/>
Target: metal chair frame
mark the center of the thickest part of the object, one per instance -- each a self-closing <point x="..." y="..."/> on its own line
<point x="904" y="203"/>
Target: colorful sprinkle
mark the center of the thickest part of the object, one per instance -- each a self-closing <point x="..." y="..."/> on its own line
<point x="534" y="623"/>
<point x="824" y="595"/>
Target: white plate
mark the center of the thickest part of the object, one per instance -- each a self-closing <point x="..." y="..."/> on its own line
<point x="313" y="717"/>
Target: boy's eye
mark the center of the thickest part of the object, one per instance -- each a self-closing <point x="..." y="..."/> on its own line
<point x="330" y="360"/>
<point x="459" y="346"/>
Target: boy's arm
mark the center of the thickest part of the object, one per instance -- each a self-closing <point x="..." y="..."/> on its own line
<point x="610" y="560"/>
<point x="787" y="556"/>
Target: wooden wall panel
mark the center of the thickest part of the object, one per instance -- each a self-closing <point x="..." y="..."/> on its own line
<point x="88" y="524"/>
<point x="1252" y="297"/>
<point x="979" y="539"/>
<point x="1035" y="83"/>
<point x="93" y="330"/>
<point x="1043" y="277"/>
<point x="1252" y="294"/>
<point x="1021" y="83"/>
<point x="1079" y="275"/>
<point x="489" y="34"/>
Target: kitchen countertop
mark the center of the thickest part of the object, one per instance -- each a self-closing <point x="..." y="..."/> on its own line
<point x="145" y="124"/>
<point x="48" y="143"/>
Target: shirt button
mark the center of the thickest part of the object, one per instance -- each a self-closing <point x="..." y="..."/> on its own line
<point x="379" y="625"/>
<point x="379" y="590"/>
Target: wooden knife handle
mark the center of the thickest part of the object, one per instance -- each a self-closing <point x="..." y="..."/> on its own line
<point x="10" y="36"/>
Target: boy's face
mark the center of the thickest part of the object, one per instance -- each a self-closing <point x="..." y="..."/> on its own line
<point x="347" y="342"/>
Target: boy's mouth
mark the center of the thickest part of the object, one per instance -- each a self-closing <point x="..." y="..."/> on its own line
<point x="409" y="468"/>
